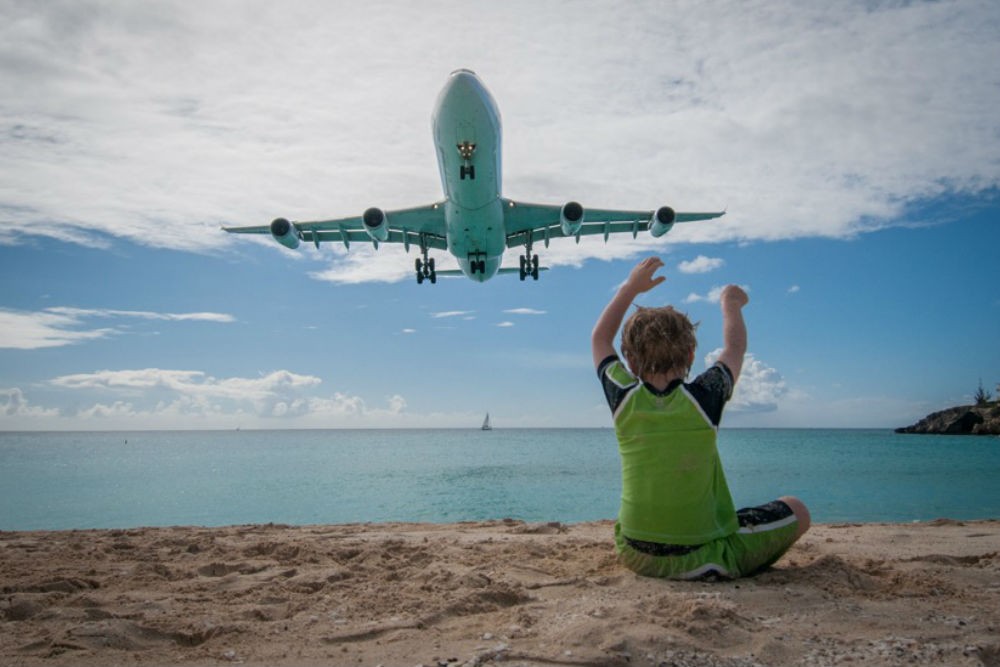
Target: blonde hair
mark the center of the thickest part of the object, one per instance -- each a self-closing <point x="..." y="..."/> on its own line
<point x="658" y="340"/>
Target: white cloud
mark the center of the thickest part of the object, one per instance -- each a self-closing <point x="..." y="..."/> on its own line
<point x="157" y="122"/>
<point x="505" y="324"/>
<point x="701" y="264"/>
<point x="759" y="388"/>
<point x="16" y="405"/>
<point x="452" y="313"/>
<point x="59" y="326"/>
<point x="189" y="383"/>
<point x="79" y="313"/>
<point x="388" y="264"/>
<point x="524" y="311"/>
<point x="794" y="289"/>
<point x="713" y="295"/>
<point x="162" y="398"/>
<point x="31" y="331"/>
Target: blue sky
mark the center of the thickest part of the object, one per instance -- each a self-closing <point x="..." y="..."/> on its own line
<point x="856" y="148"/>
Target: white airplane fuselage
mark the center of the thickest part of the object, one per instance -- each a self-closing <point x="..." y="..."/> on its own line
<point x="467" y="134"/>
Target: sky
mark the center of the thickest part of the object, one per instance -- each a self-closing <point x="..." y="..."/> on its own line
<point x="854" y="145"/>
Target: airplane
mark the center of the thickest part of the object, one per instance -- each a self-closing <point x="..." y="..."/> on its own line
<point x="474" y="222"/>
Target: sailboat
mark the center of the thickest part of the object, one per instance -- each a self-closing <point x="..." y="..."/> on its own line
<point x="486" y="423"/>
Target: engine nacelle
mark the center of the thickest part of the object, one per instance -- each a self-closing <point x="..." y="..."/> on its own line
<point x="571" y="218"/>
<point x="285" y="233"/>
<point x="662" y="221"/>
<point x="376" y="224"/>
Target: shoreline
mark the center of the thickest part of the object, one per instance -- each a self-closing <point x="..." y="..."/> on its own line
<point x="483" y="592"/>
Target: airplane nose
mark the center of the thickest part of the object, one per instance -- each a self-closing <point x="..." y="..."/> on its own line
<point x="464" y="81"/>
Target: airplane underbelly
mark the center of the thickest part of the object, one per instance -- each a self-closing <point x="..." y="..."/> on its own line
<point x="467" y="134"/>
<point x="476" y="235"/>
<point x="472" y="183"/>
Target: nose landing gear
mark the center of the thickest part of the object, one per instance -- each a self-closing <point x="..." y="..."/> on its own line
<point x="465" y="151"/>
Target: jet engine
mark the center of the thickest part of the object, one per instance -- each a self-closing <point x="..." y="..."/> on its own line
<point x="662" y="221"/>
<point x="285" y="233"/>
<point x="571" y="218"/>
<point x="376" y="224"/>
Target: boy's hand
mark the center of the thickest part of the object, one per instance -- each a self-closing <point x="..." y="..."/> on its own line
<point x="641" y="279"/>
<point x="733" y="296"/>
<point x="734" y="329"/>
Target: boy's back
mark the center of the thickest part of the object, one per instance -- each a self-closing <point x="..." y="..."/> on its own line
<point x="673" y="487"/>
<point x="677" y="517"/>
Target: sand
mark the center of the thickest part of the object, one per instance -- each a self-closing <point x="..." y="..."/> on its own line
<point x="489" y="592"/>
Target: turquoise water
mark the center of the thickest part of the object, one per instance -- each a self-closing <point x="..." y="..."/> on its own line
<point x="120" y="480"/>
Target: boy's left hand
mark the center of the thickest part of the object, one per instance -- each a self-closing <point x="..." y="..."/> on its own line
<point x="733" y="296"/>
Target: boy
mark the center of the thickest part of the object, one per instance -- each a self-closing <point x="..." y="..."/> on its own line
<point x="677" y="518"/>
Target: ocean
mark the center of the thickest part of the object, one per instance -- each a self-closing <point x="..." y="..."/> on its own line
<point x="79" y="480"/>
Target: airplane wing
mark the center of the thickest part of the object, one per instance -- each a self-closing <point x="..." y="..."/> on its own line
<point x="411" y="225"/>
<point x="542" y="222"/>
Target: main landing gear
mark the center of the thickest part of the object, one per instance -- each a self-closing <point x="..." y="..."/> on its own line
<point x="529" y="267"/>
<point x="425" y="266"/>
<point x="529" y="262"/>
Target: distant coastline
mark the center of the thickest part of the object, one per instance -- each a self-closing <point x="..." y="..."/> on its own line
<point x="960" y="420"/>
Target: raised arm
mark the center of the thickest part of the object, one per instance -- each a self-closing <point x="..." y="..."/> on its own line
<point x="602" y="340"/>
<point x="734" y="329"/>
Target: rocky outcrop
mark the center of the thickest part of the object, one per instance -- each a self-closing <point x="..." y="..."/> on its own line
<point x="963" y="420"/>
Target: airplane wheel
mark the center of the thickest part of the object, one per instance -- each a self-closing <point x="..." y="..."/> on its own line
<point x="430" y="265"/>
<point x="482" y="266"/>
<point x="419" y="266"/>
<point x="420" y="278"/>
<point x="434" y="278"/>
<point x="534" y="263"/>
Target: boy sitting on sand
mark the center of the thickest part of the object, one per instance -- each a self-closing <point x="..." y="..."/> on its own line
<point x="677" y="518"/>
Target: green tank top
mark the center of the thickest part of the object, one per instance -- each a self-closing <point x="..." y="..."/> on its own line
<point x="673" y="487"/>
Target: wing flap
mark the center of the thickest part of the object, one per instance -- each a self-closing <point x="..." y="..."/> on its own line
<point x="541" y="222"/>
<point x="406" y="226"/>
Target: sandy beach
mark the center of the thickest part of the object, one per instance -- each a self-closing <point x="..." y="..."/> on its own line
<point x="489" y="592"/>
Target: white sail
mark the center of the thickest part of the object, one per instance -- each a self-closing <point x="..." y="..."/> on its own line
<point x="486" y="423"/>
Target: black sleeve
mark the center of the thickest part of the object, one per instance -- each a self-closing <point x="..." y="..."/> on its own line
<point x="712" y="389"/>
<point x="613" y="391"/>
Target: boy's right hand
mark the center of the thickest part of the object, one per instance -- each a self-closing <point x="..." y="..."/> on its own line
<point x="641" y="278"/>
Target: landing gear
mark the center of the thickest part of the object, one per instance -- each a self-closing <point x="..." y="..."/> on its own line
<point x="465" y="151"/>
<point x="425" y="267"/>
<point x="476" y="263"/>
<point x="529" y="262"/>
<point x="529" y="267"/>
